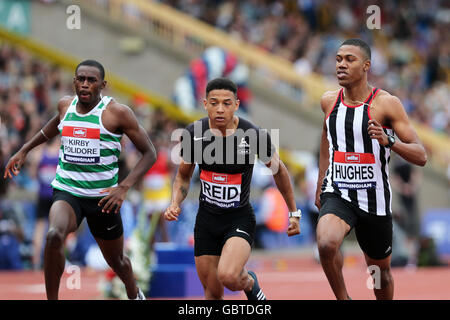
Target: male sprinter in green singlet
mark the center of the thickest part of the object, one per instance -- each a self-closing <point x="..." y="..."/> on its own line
<point x="86" y="182"/>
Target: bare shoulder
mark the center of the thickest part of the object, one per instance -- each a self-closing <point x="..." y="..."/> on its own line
<point x="119" y="110"/>
<point x="387" y="100"/>
<point x="63" y="104"/>
<point x="118" y="117"/>
<point x="327" y="100"/>
<point x="65" y="101"/>
<point x="387" y="108"/>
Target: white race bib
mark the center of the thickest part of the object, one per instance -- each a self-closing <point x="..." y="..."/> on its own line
<point x="81" y="145"/>
<point x="221" y="189"/>
<point x="353" y="170"/>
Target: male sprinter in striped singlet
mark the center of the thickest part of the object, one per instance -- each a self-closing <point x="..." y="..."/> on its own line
<point x="86" y="183"/>
<point x="224" y="146"/>
<point x="353" y="187"/>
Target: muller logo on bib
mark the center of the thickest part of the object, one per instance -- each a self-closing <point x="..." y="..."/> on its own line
<point x="352" y="157"/>
<point x="353" y="170"/>
<point x="219" y="178"/>
<point x="81" y="145"/>
<point x="79" y="132"/>
<point x="221" y="189"/>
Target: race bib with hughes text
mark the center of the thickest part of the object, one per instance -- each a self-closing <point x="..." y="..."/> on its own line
<point x="353" y="170"/>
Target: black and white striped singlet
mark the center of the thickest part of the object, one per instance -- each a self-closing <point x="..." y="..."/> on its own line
<point x="358" y="170"/>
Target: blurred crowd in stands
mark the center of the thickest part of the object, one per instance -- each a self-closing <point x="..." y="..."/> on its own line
<point x="410" y="53"/>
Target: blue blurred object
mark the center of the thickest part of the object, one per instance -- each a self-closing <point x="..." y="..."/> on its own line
<point x="174" y="274"/>
<point x="128" y="219"/>
<point x="15" y="253"/>
<point x="171" y="253"/>
<point x="436" y="224"/>
<point x="175" y="280"/>
<point x="182" y="231"/>
<point x="10" y="258"/>
<point x="29" y="221"/>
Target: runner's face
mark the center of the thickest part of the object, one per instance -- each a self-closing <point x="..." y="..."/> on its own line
<point x="88" y="84"/>
<point x="221" y="105"/>
<point x="351" y="64"/>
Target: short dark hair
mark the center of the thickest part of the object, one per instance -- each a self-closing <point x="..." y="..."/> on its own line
<point x="221" y="83"/>
<point x="359" y="43"/>
<point x="92" y="63"/>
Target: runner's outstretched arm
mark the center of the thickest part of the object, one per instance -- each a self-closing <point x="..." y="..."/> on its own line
<point x="180" y="190"/>
<point x="49" y="131"/>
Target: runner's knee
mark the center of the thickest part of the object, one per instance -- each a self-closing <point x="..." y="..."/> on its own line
<point x="229" y="280"/>
<point x="116" y="262"/>
<point x="386" y="278"/>
<point x="55" y="238"/>
<point x="328" y="247"/>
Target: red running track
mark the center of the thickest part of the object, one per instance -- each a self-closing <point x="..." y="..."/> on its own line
<point x="281" y="276"/>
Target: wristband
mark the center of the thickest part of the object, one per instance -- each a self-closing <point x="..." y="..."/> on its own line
<point x="42" y="131"/>
<point x="296" y="214"/>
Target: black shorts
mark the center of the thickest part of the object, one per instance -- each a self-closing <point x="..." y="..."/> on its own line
<point x="374" y="233"/>
<point x="43" y="208"/>
<point x="213" y="230"/>
<point x="106" y="226"/>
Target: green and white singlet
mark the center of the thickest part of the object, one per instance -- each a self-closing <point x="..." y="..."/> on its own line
<point x="89" y="154"/>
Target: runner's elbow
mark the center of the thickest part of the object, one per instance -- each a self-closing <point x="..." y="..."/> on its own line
<point x="422" y="160"/>
<point x="151" y="155"/>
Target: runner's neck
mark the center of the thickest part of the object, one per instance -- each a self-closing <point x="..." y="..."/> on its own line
<point x="229" y="130"/>
<point x="356" y="94"/>
<point x="83" y="109"/>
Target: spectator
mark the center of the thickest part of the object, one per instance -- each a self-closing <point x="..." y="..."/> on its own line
<point x="11" y="234"/>
<point x="10" y="231"/>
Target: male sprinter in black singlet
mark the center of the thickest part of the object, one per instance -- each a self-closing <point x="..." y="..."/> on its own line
<point x="353" y="187"/>
<point x="225" y="146"/>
